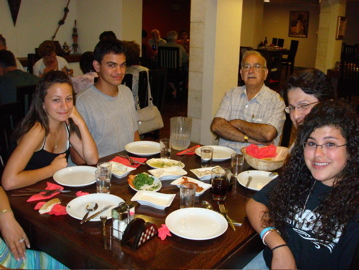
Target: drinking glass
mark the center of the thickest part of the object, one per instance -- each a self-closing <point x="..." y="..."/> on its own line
<point x="237" y="163"/>
<point x="180" y="132"/>
<point x="187" y="195"/>
<point x="219" y="184"/>
<point x="103" y="181"/>
<point x="165" y="147"/>
<point x="206" y="156"/>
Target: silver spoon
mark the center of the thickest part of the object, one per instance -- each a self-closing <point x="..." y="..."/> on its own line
<point x="92" y="206"/>
<point x="104" y="219"/>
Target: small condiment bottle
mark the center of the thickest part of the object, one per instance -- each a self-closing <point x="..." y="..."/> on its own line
<point x="120" y="220"/>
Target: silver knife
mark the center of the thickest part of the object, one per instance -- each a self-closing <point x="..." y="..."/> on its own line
<point x="97" y="213"/>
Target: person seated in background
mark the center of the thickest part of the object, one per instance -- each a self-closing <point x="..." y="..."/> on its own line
<point x="184" y="40"/>
<point x="156" y="40"/>
<point x="107" y="106"/>
<point x="133" y="65"/>
<point x="4" y="47"/>
<point x="308" y="217"/>
<point x="250" y="114"/>
<point x="44" y="136"/>
<point x="11" y="77"/>
<point x="89" y="75"/>
<point x="107" y="35"/>
<point x="147" y="52"/>
<point x="13" y="244"/>
<point x="50" y="61"/>
<point x="303" y="90"/>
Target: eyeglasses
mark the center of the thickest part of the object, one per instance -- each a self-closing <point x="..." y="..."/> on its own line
<point x="255" y="67"/>
<point x="300" y="107"/>
<point x="327" y="146"/>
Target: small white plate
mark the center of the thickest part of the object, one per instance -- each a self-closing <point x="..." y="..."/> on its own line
<point x="160" y="163"/>
<point x="196" y="223"/>
<point x="76" y="208"/>
<point x="259" y="179"/>
<point x="205" y="186"/>
<point x="156" y="186"/>
<point x="77" y="176"/>
<point x="220" y="153"/>
<point x="203" y="173"/>
<point x="154" y="199"/>
<point x="119" y="170"/>
<point x="143" y="148"/>
<point x="168" y="173"/>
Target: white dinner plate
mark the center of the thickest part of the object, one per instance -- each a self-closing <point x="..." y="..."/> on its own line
<point x="77" y="176"/>
<point x="259" y="179"/>
<point x="143" y="148"/>
<point x="156" y="186"/>
<point x="160" y="163"/>
<point x="203" y="185"/>
<point x="196" y="223"/>
<point x="153" y="199"/>
<point x="119" y="170"/>
<point x="220" y="153"/>
<point x="77" y="207"/>
<point x="168" y="173"/>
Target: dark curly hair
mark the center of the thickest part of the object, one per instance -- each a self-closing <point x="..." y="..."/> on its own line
<point x="132" y="53"/>
<point x="293" y="187"/>
<point x="312" y="81"/>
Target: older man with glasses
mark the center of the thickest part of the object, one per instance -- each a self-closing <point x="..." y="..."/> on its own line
<point x="253" y="113"/>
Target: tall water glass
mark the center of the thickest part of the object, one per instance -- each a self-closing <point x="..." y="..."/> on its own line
<point x="181" y="132"/>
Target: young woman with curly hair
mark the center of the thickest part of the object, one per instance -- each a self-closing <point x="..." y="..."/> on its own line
<point x="309" y="216"/>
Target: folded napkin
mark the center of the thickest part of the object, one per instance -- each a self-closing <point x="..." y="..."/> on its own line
<point x="262" y="152"/>
<point x="81" y="193"/>
<point x="163" y="232"/>
<point x="39" y="196"/>
<point x="189" y="151"/>
<point x="56" y="209"/>
<point x="125" y="161"/>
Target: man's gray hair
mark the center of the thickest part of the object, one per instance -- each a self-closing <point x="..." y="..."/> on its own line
<point x="253" y="52"/>
<point x="172" y="36"/>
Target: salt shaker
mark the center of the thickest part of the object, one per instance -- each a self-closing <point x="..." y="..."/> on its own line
<point x="120" y="220"/>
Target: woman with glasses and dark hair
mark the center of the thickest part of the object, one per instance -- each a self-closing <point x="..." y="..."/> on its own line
<point x="308" y="218"/>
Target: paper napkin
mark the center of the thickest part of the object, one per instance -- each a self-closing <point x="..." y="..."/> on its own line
<point x="163" y="232"/>
<point x="125" y="161"/>
<point x="262" y="152"/>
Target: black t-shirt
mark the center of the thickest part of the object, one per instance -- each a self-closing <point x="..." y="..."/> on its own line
<point x="307" y="251"/>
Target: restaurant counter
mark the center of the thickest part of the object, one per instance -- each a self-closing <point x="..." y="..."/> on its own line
<point x="81" y="246"/>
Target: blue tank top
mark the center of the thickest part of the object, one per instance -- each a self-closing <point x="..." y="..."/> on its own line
<point x="43" y="158"/>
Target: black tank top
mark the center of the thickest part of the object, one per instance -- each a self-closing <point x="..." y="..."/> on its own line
<point x="43" y="158"/>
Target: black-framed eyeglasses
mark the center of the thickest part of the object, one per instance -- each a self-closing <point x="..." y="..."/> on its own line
<point x="327" y="146"/>
<point x="300" y="107"/>
<point x="255" y="67"/>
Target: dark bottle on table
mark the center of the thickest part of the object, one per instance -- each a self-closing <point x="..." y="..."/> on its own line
<point x="265" y="41"/>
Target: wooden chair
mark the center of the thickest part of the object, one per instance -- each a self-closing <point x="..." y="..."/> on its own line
<point x="10" y="116"/>
<point x="169" y="58"/>
<point x="349" y="52"/>
<point x="280" y="42"/>
<point x="288" y="62"/>
<point x="274" y="41"/>
<point x="24" y="95"/>
<point x="348" y="84"/>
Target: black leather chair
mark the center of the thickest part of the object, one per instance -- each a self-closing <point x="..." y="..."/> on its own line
<point x="274" y="41"/>
<point x="348" y="84"/>
<point x="280" y="42"/>
<point x="24" y="95"/>
<point x="349" y="52"/>
<point x="288" y="61"/>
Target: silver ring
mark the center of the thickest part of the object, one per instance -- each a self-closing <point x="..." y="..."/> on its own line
<point x="22" y="240"/>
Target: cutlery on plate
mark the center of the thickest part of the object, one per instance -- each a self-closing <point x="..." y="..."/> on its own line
<point x="97" y="213"/>
<point x="92" y="206"/>
<point x="249" y="181"/>
<point x="223" y="210"/>
<point x="103" y="220"/>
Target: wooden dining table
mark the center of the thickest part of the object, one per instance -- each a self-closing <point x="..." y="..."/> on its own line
<point x="81" y="246"/>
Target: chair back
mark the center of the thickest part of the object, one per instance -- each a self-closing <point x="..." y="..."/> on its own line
<point x="274" y="41"/>
<point x="158" y="82"/>
<point x="348" y="85"/>
<point x="10" y="116"/>
<point x="143" y="89"/>
<point x="293" y="50"/>
<point x="280" y="42"/>
<point x="24" y="95"/>
<point x="349" y="52"/>
<point x="169" y="58"/>
<point x="32" y="58"/>
<point x="127" y="80"/>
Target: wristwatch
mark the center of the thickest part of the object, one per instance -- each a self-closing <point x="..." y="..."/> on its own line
<point x="245" y="138"/>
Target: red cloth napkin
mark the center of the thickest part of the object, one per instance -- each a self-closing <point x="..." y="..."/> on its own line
<point x="125" y="161"/>
<point x="262" y="152"/>
<point x="81" y="193"/>
<point x="189" y="151"/>
<point x="163" y="232"/>
<point x="39" y="197"/>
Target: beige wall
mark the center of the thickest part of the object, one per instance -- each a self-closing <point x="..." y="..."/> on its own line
<point x="252" y="21"/>
<point x="276" y="24"/>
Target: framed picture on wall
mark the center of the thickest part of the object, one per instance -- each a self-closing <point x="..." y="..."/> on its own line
<point x="298" y="24"/>
<point x="341" y="26"/>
